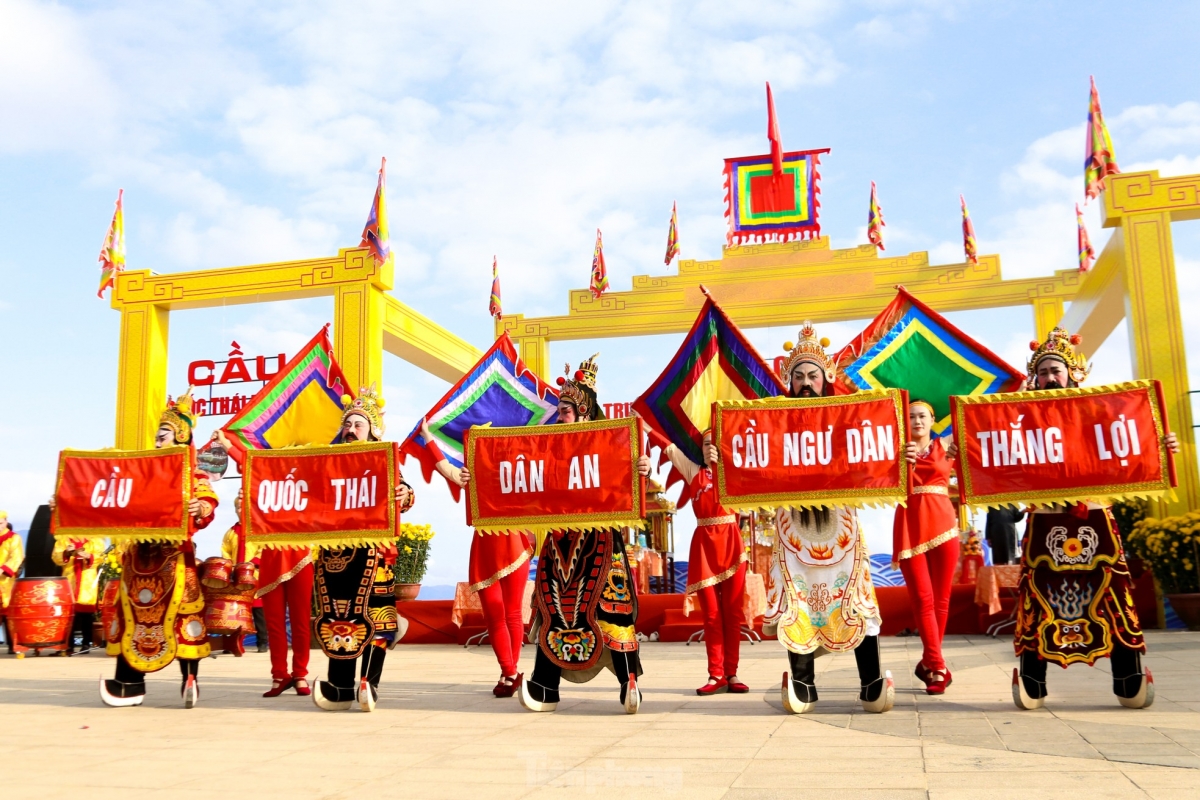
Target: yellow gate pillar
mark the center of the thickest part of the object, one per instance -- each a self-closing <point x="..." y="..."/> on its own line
<point x="532" y="342"/>
<point x="141" y="374"/>
<point x="1156" y="338"/>
<point x="358" y="311"/>
<point x="1047" y="311"/>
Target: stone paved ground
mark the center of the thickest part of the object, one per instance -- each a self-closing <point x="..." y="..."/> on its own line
<point x="438" y="732"/>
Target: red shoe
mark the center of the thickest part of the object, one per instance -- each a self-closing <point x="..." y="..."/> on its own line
<point x="714" y="686"/>
<point x="938" y="681"/>
<point x="923" y="674"/>
<point x="737" y="687"/>
<point x="278" y="687"/>
<point x="302" y="688"/>
<point x="507" y="687"/>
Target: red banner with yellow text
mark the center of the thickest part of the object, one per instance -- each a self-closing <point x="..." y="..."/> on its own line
<point x="555" y="477"/>
<point x="846" y="450"/>
<point x="123" y="495"/>
<point x="332" y="495"/>
<point x="1063" y="445"/>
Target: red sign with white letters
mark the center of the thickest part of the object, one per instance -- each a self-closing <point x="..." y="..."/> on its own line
<point x="845" y="450"/>
<point x="123" y="494"/>
<point x="555" y="477"/>
<point x="334" y="495"/>
<point x="1062" y="445"/>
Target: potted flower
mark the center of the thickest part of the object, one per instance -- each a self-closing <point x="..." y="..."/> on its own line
<point x="412" y="558"/>
<point x="1171" y="548"/>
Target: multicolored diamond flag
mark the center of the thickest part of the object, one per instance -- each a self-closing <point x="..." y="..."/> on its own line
<point x="968" y="234"/>
<point x="1099" y="160"/>
<point x="672" y="237"/>
<point x="494" y="304"/>
<point x="910" y="346"/>
<point x="112" y="252"/>
<point x="599" y="271"/>
<point x="301" y="405"/>
<point x="761" y="206"/>
<point x="715" y="362"/>
<point x="375" y="232"/>
<point x="1086" y="252"/>
<point x="498" y="391"/>
<point x="875" y="223"/>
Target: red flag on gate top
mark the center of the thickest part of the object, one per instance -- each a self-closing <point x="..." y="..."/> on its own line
<point x="773" y="134"/>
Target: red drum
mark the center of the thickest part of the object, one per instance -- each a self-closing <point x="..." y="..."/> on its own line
<point x="229" y="611"/>
<point x="40" y="614"/>
<point x="245" y="576"/>
<point x="215" y="573"/>
<point x="110" y="611"/>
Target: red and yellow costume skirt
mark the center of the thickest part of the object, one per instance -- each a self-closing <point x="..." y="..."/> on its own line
<point x="161" y="608"/>
<point x="1075" y="597"/>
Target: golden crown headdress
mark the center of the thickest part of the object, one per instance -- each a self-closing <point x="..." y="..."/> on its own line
<point x="1060" y="345"/>
<point x="178" y="416"/>
<point x="809" y="348"/>
<point x="572" y="389"/>
<point x="369" y="405"/>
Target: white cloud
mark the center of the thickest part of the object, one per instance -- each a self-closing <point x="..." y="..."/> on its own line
<point x="52" y="90"/>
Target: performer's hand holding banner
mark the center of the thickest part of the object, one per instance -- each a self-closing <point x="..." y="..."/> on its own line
<point x="555" y="477"/>
<point x="333" y="495"/>
<point x="123" y="495"/>
<point x="1063" y="445"/>
<point x="846" y="450"/>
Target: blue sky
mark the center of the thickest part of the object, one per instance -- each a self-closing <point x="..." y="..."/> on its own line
<point x="247" y="132"/>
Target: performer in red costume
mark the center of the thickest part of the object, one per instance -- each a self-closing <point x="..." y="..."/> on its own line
<point x="925" y="542"/>
<point x="1074" y="601"/>
<point x="160" y="620"/>
<point x="498" y="572"/>
<point x="716" y="571"/>
<point x="285" y="583"/>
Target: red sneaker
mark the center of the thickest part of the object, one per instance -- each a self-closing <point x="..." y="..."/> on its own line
<point x="714" y="686"/>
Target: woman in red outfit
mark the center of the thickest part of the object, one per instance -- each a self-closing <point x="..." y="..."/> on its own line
<point x="925" y="542"/>
<point x="285" y="586"/>
<point x="498" y="570"/>
<point x="716" y="572"/>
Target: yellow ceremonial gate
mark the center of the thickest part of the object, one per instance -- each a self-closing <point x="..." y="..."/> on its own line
<point x="366" y="322"/>
<point x="784" y="284"/>
<point x="758" y="285"/>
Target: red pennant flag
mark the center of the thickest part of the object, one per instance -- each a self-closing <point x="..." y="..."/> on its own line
<point x="599" y="271"/>
<point x="773" y="135"/>
<point x="1099" y="161"/>
<point x="1086" y="253"/>
<point x="494" y="304"/>
<point x="672" y="237"/>
<point x="968" y="234"/>
<point x="375" y="232"/>
<point x="875" y="221"/>
<point x="112" y="252"/>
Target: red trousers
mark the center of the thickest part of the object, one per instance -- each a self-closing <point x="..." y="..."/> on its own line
<point x="723" y="615"/>
<point x="292" y="598"/>
<point x="502" y="614"/>
<point x="928" y="576"/>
